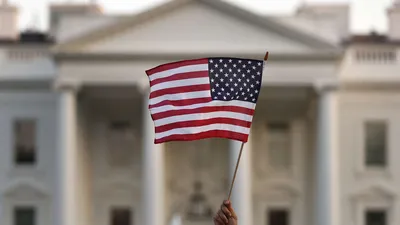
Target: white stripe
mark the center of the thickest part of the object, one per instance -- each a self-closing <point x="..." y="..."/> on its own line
<point x="203" y="116"/>
<point x="238" y="103"/>
<point x="180" y="83"/>
<point x="182" y="69"/>
<point x="180" y="96"/>
<point x="196" y="130"/>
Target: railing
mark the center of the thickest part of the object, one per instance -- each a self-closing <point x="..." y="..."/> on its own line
<point x="376" y="56"/>
<point x="27" y="55"/>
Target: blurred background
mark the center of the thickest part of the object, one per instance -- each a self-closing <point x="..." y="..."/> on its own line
<point x="77" y="142"/>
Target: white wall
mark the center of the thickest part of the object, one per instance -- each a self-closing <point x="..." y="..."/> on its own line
<point x="28" y="185"/>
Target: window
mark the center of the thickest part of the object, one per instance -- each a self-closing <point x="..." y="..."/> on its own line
<point x="121" y="216"/>
<point x="25" y="142"/>
<point x="375" y="217"/>
<point x="278" y="217"/>
<point x="120" y="144"/>
<point x="24" y="216"/>
<point x="279" y="145"/>
<point x="375" y="143"/>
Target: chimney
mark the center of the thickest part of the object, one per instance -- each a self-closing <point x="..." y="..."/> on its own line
<point x="58" y="11"/>
<point x="394" y="21"/>
<point x="8" y="21"/>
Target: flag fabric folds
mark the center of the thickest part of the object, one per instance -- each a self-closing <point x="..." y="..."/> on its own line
<point x="204" y="98"/>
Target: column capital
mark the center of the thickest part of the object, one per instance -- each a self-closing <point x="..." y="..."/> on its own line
<point x="326" y="84"/>
<point x="67" y="85"/>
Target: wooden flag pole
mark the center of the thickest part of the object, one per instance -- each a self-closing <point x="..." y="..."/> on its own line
<point x="240" y="153"/>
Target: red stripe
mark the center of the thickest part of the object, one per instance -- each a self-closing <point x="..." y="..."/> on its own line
<point x="182" y="102"/>
<point x="198" y="123"/>
<point x="207" y="134"/>
<point x="174" y="65"/>
<point x="177" y="90"/>
<point x="205" y="109"/>
<point x="179" y="76"/>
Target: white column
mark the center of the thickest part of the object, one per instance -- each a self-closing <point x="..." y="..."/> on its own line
<point x="327" y="196"/>
<point x="67" y="159"/>
<point x="242" y="190"/>
<point x="153" y="173"/>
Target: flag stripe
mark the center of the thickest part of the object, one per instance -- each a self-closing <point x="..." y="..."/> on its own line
<point x="180" y="76"/>
<point x="182" y="69"/>
<point x="209" y="103"/>
<point x="184" y="102"/>
<point x="204" y="116"/>
<point x="181" y="83"/>
<point x="174" y="65"/>
<point x="180" y="89"/>
<point x="202" y="135"/>
<point x="169" y="113"/>
<point x="197" y="123"/>
<point x="177" y="97"/>
<point x="196" y="130"/>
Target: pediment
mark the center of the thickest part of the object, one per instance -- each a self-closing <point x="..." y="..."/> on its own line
<point x="379" y="191"/>
<point x="192" y="27"/>
<point x="25" y="188"/>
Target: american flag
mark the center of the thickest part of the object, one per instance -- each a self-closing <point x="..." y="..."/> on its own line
<point x="204" y="98"/>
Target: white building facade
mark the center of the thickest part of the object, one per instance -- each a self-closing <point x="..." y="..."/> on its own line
<point x="77" y="138"/>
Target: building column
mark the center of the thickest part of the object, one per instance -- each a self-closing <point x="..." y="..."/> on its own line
<point x="242" y="190"/>
<point x="153" y="172"/>
<point x="327" y="196"/>
<point x="67" y="159"/>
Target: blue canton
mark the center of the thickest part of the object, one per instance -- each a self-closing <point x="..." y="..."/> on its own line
<point x="235" y="79"/>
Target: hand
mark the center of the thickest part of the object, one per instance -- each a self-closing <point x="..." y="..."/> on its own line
<point x="226" y="215"/>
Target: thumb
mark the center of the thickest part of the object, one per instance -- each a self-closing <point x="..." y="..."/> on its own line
<point x="228" y="204"/>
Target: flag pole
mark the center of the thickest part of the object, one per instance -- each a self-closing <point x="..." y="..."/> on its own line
<point x="240" y="153"/>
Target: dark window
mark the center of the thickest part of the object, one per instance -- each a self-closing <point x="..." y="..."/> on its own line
<point x="375" y="217"/>
<point x="121" y="216"/>
<point x="375" y="143"/>
<point x="278" y="217"/>
<point x="24" y="216"/>
<point x="25" y="142"/>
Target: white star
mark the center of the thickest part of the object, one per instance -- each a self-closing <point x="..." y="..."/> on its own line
<point x="225" y="65"/>
<point x="252" y="76"/>
<point x="239" y="80"/>
<point x="241" y="88"/>
<point x="258" y="73"/>
<point x="237" y="97"/>
<point x="216" y="75"/>
<point x="248" y="89"/>
<point x="220" y="60"/>
<point x="213" y="90"/>
<point x="225" y="97"/>
<point x="245" y="98"/>
<point x="230" y="70"/>
<point x="230" y="79"/>
<point x="222" y="79"/>
<point x="256" y="91"/>
<point x="244" y="84"/>
<point x="220" y="70"/>
<point x="222" y="89"/>
<point x="249" y="62"/>
<point x="243" y="75"/>
<point x="239" y="70"/>
<point x="216" y="65"/>
<point x="259" y="64"/>
<point x="252" y="86"/>
<point x="240" y="61"/>
<point x="235" y="84"/>
<point x="212" y="80"/>
<point x="248" y="80"/>
<point x="228" y="94"/>
<point x="234" y="75"/>
<point x="254" y="67"/>
<point x="251" y="95"/>
<point x="234" y="65"/>
<point x="216" y="85"/>
<point x="242" y="93"/>
<point x="230" y="60"/>
<point x="215" y="97"/>
<point x="232" y="89"/>
<point x="227" y="84"/>
<point x="212" y="71"/>
<point x="244" y="65"/>
<point x="226" y="74"/>
<point x="219" y="93"/>
<point x="211" y="61"/>
<point x="257" y="82"/>
<point x="254" y="99"/>
<point x="248" y="71"/>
